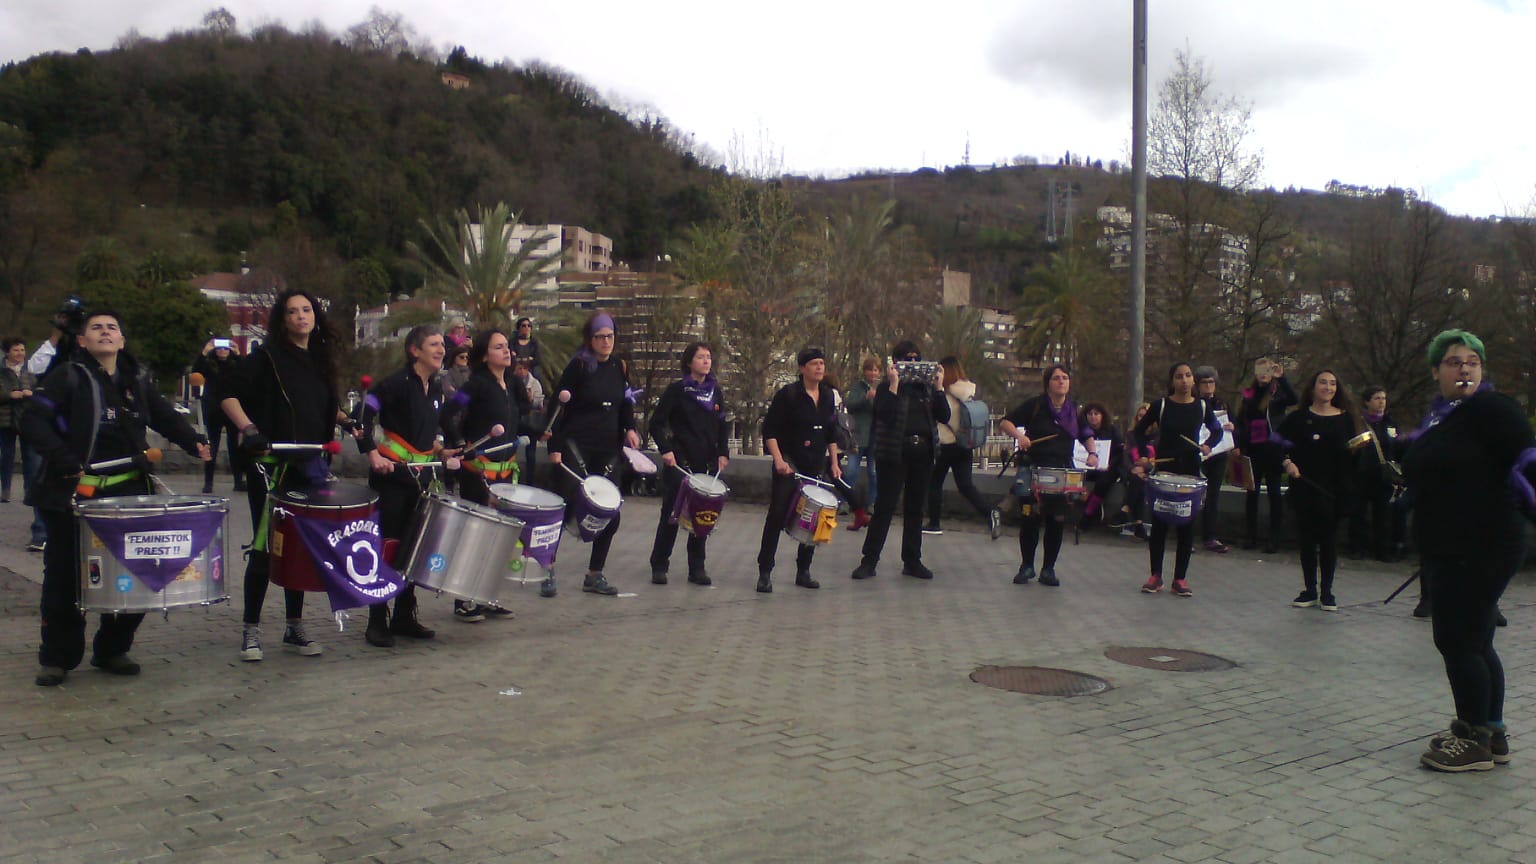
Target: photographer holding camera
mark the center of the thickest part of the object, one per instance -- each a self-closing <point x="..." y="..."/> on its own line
<point x="216" y="364"/>
<point x="68" y="322"/>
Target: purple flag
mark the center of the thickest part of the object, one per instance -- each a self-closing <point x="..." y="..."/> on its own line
<point x="350" y="562"/>
<point x="156" y="548"/>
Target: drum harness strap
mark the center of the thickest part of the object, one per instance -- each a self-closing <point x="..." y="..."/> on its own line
<point x="396" y="449"/>
<point x="88" y="484"/>
<point x="272" y="470"/>
<point x="493" y="471"/>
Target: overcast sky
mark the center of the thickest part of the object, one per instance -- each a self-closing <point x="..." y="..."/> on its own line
<point x="1432" y="96"/>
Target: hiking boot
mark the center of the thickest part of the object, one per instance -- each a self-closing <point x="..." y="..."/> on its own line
<point x="468" y="612"/>
<point x="295" y="639"/>
<point x="1181" y="589"/>
<point x="916" y="570"/>
<point x="378" y="634"/>
<point x="406" y="625"/>
<point x="995" y="523"/>
<point x="1465" y="748"/>
<point x="1498" y="744"/>
<point x="596" y="583"/>
<point x="1214" y="545"/>
<point x="117" y="664"/>
<point x="803" y="579"/>
<point x="1153" y="584"/>
<point x="1025" y="574"/>
<point x="250" y="644"/>
<point x="932" y="530"/>
<point x="1328" y="603"/>
<point x="1048" y="577"/>
<point x="765" y="581"/>
<point x="699" y="577"/>
<point x="658" y="576"/>
<point x="1305" y="599"/>
<point x="865" y="570"/>
<point x="547" y="587"/>
<point x="49" y="676"/>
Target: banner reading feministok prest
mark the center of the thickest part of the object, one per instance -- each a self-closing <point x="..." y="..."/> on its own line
<point x="157" y="547"/>
<point x="350" y="561"/>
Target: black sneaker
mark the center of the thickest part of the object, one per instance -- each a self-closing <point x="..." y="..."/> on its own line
<point x="865" y="570"/>
<point x="295" y="639"/>
<point x="378" y="634"/>
<point x="1422" y="609"/>
<point x="803" y="579"/>
<point x="497" y="612"/>
<point x="699" y="577"/>
<point x="1048" y="577"/>
<point x="1328" y="603"/>
<point x="547" y="587"/>
<point x="117" y="664"/>
<point x="1025" y="574"/>
<point x="1499" y="619"/>
<point x="916" y="570"/>
<point x="468" y="612"/>
<point x="1305" y="599"/>
<point x="995" y="523"/>
<point x="658" y="577"/>
<point x="49" y="676"/>
<point x="1463" y="749"/>
<point x="765" y="582"/>
<point x="596" y="583"/>
<point x="932" y="530"/>
<point x="250" y="644"/>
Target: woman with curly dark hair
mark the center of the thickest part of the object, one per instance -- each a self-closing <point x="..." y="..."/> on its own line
<point x="1315" y="450"/>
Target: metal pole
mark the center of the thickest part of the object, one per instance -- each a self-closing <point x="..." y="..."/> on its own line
<point x="1136" y="351"/>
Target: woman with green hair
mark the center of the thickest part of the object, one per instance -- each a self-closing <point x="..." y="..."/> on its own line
<point x="1467" y="469"/>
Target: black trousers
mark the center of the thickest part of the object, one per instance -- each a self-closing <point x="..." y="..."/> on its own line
<point x="1463" y="609"/>
<point x="397" y="507"/>
<point x="1051" y="511"/>
<point x="1215" y="470"/>
<point x="1317" y="537"/>
<point x="63" y="627"/>
<point x="570" y="488"/>
<point x="666" y="530"/>
<point x="258" y="566"/>
<point x="1184" y="539"/>
<point x="1266" y="473"/>
<point x="953" y="457"/>
<point x="781" y="495"/>
<point x="905" y="479"/>
<point x="1378" y="525"/>
<point x="218" y="424"/>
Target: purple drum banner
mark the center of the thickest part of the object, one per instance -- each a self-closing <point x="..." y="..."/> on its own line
<point x="348" y="557"/>
<point x="157" y="548"/>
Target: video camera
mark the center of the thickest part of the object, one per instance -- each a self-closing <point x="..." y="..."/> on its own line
<point x="70" y="316"/>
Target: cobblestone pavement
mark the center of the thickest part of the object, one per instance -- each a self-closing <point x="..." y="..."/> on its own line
<point x="688" y="724"/>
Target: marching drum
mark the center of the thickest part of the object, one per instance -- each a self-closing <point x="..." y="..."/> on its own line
<point x="1175" y="498"/>
<point x="595" y="506"/>
<point x="1059" y="481"/>
<point x="543" y="516"/>
<point x="463" y="548"/>
<point x="131" y="543"/>
<point x="812" y="516"/>
<point x="338" y="503"/>
<point x="699" y="502"/>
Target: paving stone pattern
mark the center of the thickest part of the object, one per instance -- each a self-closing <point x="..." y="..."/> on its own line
<point x="690" y="724"/>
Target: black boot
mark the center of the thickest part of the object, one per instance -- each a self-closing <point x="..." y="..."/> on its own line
<point x="378" y="634"/>
<point x="765" y="581"/>
<point x="404" y="622"/>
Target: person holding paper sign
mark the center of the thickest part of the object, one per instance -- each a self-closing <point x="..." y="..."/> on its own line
<point x="1046" y="428"/>
<point x="1111" y="458"/>
<point x="91" y="410"/>
<point x="1216" y="464"/>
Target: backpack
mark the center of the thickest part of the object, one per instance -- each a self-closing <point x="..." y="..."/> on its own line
<point x="842" y="430"/>
<point x="972" y="425"/>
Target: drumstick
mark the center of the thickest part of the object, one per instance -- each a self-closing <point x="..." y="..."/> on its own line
<point x="1034" y="441"/>
<point x="1191" y="441"/>
<point x="153" y="454"/>
<point x="331" y="447"/>
<point x="563" y="397"/>
<point x="496" y="430"/>
<point x="521" y="441"/>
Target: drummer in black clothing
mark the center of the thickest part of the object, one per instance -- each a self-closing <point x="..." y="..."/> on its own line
<point x="597" y="421"/>
<point x="491" y="397"/>
<point x="689" y="426"/>
<point x="1046" y="428"/>
<point x="407" y="405"/>
<point x="284" y="391"/>
<point x="906" y="418"/>
<point x="797" y="433"/>
<point x="1178" y="418"/>
<point x="93" y="408"/>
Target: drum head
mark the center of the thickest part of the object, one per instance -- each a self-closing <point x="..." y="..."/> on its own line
<point x="531" y="497"/>
<point x="704" y="484"/>
<point x="602" y="492"/>
<point x="146" y="504"/>
<point x="822" y="497"/>
<point x="337" y="495"/>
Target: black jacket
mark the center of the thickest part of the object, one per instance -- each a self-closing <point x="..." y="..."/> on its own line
<point x="479" y="405"/>
<point x="684" y="427"/>
<point x="63" y="422"/>
<point x="401" y="404"/>
<point x="1458" y="475"/>
<point x="1262" y="408"/>
<point x="916" y="408"/>
<point x="802" y="428"/>
<point x="285" y="394"/>
<point x="599" y="412"/>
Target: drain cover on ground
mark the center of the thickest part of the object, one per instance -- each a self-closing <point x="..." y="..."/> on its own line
<point x="1039" y="680"/>
<point x="1170" y="659"/>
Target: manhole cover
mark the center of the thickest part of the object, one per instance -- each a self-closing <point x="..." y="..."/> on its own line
<point x="1169" y="659"/>
<point x="1039" y="680"/>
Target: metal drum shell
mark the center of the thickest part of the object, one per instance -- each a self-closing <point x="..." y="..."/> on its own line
<point x="463" y="549"/>
<point x="809" y="502"/>
<point x="204" y="586"/>
<point x="1058" y="481"/>
<point x="290" y="565"/>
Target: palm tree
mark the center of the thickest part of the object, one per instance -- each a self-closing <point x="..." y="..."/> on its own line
<point x="472" y="263"/>
<point x="956" y="332"/>
<point x="1060" y="309"/>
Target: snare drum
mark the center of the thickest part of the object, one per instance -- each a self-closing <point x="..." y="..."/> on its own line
<point x="812" y="516"/>
<point x="1059" y="481"/>
<point x="543" y="517"/>
<point x="699" y="502"/>
<point x="597" y="502"/>
<point x="130" y="544"/>
<point x="337" y="503"/>
<point x="463" y="548"/>
<point x="1175" y="498"/>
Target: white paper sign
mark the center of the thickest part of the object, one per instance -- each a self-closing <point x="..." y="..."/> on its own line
<point x="1228" y="441"/>
<point x="1080" y="455"/>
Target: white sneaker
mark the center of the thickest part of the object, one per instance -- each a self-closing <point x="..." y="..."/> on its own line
<point x="250" y="645"/>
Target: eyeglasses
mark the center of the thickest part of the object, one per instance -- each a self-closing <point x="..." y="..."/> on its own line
<point x="1469" y="363"/>
<point x="603" y="336"/>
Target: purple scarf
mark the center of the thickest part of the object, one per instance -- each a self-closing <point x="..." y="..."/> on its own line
<point x="1440" y="409"/>
<point x="703" y="392"/>
<point x="1373" y="419"/>
<point x="1065" y="416"/>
